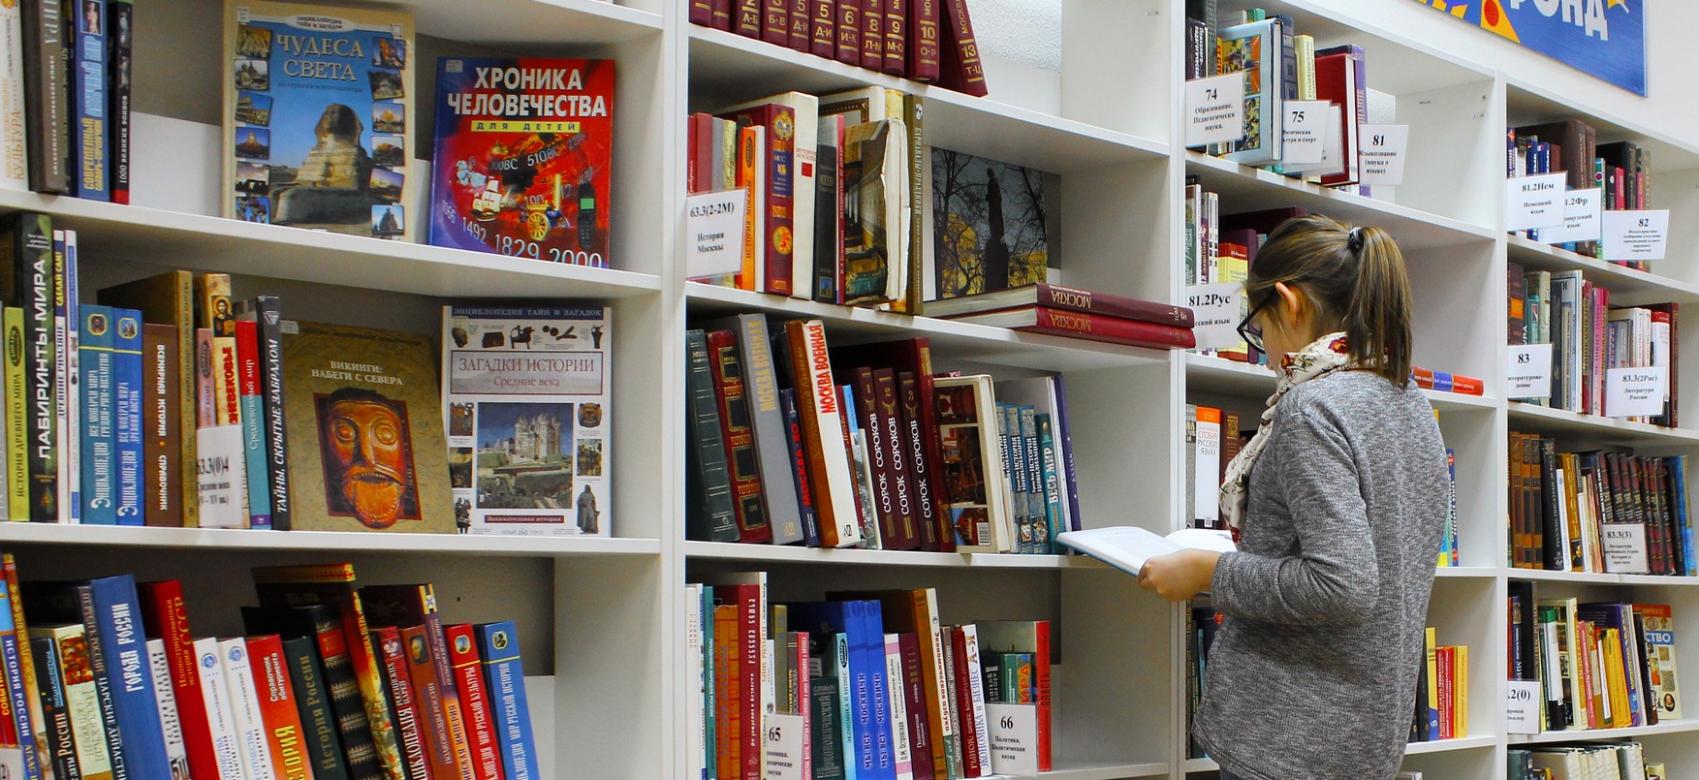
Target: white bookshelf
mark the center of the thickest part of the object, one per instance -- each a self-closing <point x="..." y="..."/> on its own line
<point x="602" y="620"/>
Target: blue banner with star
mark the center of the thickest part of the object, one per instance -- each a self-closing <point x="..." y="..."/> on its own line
<point x="1603" y="38"/>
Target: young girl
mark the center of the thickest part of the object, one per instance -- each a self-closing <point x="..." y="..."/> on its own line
<point x="1339" y="503"/>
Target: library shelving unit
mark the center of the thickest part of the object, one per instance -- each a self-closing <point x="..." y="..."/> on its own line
<point x="602" y="621"/>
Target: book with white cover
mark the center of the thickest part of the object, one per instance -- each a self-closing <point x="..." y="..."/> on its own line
<point x="220" y="721"/>
<point x="1127" y="548"/>
<point x="175" y="750"/>
<point x="245" y="708"/>
<point x="14" y="156"/>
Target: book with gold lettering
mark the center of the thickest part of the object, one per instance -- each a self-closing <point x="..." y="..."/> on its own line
<point x="525" y="399"/>
<point x="366" y="449"/>
<point x="318" y="116"/>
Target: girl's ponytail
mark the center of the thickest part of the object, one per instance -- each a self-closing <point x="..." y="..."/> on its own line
<point x="1356" y="277"/>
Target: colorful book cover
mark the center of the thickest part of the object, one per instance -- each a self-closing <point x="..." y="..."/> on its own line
<point x="82" y="701"/>
<point x="1254" y="49"/>
<point x="523" y="158"/>
<point x="127" y="418"/>
<point x="30" y="736"/>
<point x="62" y="741"/>
<point x="70" y="452"/>
<point x="498" y="646"/>
<point x="282" y="719"/>
<point x="318" y="106"/>
<point x="527" y="394"/>
<point x="100" y="484"/>
<point x="117" y="617"/>
<point x="366" y="449"/>
<point x="91" y="166"/>
<point x="475" y="699"/>
<point x="17" y="419"/>
<point x="266" y="312"/>
<point x="252" y="404"/>
<point x="991" y="228"/>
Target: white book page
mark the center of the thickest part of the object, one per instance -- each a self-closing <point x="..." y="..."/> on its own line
<point x="1127" y="548"/>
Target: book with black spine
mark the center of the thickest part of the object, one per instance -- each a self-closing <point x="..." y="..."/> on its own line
<point x="26" y="281"/>
<point x="711" y="515"/>
<point x="266" y="310"/>
<point x="47" y="96"/>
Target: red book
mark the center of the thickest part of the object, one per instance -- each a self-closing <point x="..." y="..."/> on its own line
<point x="1336" y="82"/>
<point x="702" y="12"/>
<point x="1056" y="296"/>
<point x="401" y="701"/>
<point x="926" y="505"/>
<point x="960" y="68"/>
<point x="727" y="656"/>
<point x="923" y="43"/>
<point x="441" y="746"/>
<point x="739" y="438"/>
<point x="780" y="124"/>
<point x="748" y="22"/>
<point x="801" y="17"/>
<point x="903" y="534"/>
<point x="277" y="707"/>
<point x="1467" y="385"/>
<point x="1424" y="377"/>
<point x="166" y="617"/>
<point x="474" y="701"/>
<point x="747" y="599"/>
<point x="965" y="731"/>
<point x="723" y="14"/>
<point x="1094" y="327"/>
<point x="849" y="31"/>
<point x="415" y="604"/>
<point x="776" y="22"/>
<point x="914" y="356"/>
<point x="878" y="462"/>
<point x="872" y="34"/>
<point x="914" y="698"/>
<point x="823" y="29"/>
<point x="693" y="147"/>
<point x="896" y="36"/>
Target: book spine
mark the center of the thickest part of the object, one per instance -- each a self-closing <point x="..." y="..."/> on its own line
<point x="778" y="197"/>
<point x="454" y="717"/>
<point x="902" y="760"/>
<point x="278" y="708"/>
<point x="432" y="714"/>
<point x="226" y="389"/>
<point x="1052" y="490"/>
<point x="902" y="535"/>
<point x="963" y="703"/>
<point x="120" y="31"/>
<point x="252" y="406"/>
<point x="878" y="466"/>
<point x="872" y="34"/>
<point x="761" y="389"/>
<point x="727" y="762"/>
<point x="245" y="707"/>
<point x="776" y="21"/>
<point x="33" y="234"/>
<point x="14" y="141"/>
<point x="30" y="738"/>
<point x="1088" y="302"/>
<point x="740" y="452"/>
<point x="403" y="702"/>
<point x="723" y="15"/>
<point x="61" y="388"/>
<point x="160" y="447"/>
<point x="46" y="96"/>
<point x="800" y="22"/>
<point x="475" y="701"/>
<point x="175" y="751"/>
<point x="822" y="29"/>
<point x="749" y="683"/>
<point x="828" y="213"/>
<point x="82" y="701"/>
<point x="712" y="504"/>
<point x="798" y="467"/>
<point x="1099" y="328"/>
<point x="100" y="485"/>
<point x="822" y="428"/>
<point x="962" y="69"/>
<point x="914" y="436"/>
<point x="923" y="47"/>
<point x="748" y="22"/>
<point x="919" y="160"/>
<point x="127" y="419"/>
<point x="498" y="647"/>
<point x="166" y="616"/>
<point x="750" y="154"/>
<point x="118" y="619"/>
<point x="1037" y="514"/>
<point x="319" y="729"/>
<point x="347" y="698"/>
<point x="914" y="706"/>
<point x="215" y="696"/>
<point x="17" y="418"/>
<point x="702" y="12"/>
<point x="895" y="54"/>
<point x="849" y="31"/>
<point x="61" y="740"/>
<point x="100" y="657"/>
<point x="92" y="166"/>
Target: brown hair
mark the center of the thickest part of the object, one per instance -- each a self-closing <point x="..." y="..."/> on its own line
<point x="1355" y="276"/>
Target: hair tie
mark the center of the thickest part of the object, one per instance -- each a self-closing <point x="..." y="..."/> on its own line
<point x="1354" y="239"/>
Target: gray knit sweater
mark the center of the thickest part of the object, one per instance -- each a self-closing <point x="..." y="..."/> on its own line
<point x="1313" y="673"/>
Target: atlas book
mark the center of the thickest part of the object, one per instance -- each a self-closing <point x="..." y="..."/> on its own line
<point x="526" y="394"/>
<point x="366" y="449"/>
<point x="991" y="228"/>
<point x="523" y="158"/>
<point x="318" y="109"/>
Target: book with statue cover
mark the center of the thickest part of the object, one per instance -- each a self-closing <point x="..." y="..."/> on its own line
<point x="366" y="450"/>
<point x="991" y="228"/>
<point x="318" y="110"/>
<point x="524" y="148"/>
<point x="526" y="390"/>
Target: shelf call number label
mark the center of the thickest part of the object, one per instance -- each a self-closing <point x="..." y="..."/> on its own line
<point x="1215" y="109"/>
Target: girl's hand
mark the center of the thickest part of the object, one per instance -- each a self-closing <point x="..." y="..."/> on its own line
<point x="1179" y="576"/>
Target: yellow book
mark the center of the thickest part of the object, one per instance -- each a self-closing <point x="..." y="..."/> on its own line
<point x="17" y="438"/>
<point x="1611" y="642"/>
<point x="1431" y="638"/>
<point x="1460" y="689"/>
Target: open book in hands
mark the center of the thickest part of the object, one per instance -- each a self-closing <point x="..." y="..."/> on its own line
<point x="1127" y="548"/>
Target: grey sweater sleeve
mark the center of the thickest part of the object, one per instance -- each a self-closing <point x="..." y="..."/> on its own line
<point x="1332" y="577"/>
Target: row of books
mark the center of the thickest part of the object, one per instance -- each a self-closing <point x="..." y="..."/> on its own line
<point x="1589" y="337"/>
<point x="1621" y="170"/>
<point x="930" y="41"/>
<point x="1600" y="665"/>
<point x="1598" y="510"/>
<point x="874" y="683"/>
<point x="1280" y="65"/>
<point x="107" y="679"/>
<point x="1609" y="761"/>
<point x="65" y="97"/>
<point x="174" y="403"/>
<point x="1442" y="692"/>
<point x="792" y="441"/>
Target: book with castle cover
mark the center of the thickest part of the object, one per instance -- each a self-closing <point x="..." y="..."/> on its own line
<point x="366" y="449"/>
<point x="525" y="394"/>
<point x="524" y="149"/>
<point x="318" y="109"/>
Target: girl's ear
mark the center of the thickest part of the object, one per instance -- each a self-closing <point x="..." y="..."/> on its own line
<point x="1293" y="310"/>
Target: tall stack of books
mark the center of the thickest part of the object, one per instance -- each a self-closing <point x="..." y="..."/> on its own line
<point x="1600" y="665"/>
<point x="875" y="683"/>
<point x="1564" y="504"/>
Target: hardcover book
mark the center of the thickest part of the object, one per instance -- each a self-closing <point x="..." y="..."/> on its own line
<point x="527" y="393"/>
<point x="245" y="706"/>
<point x="81" y="699"/>
<point x="524" y="149"/>
<point x="991" y="228"/>
<point x="46" y="96"/>
<point x="498" y="647"/>
<point x="318" y="110"/>
<point x="975" y="496"/>
<point x="366" y="450"/>
<point x="166" y="700"/>
<point x="1256" y="50"/>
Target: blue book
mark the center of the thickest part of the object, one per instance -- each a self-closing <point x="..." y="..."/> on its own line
<point x="10" y="651"/>
<point x="91" y="168"/>
<point x="1052" y="487"/>
<point x="100" y="485"/>
<point x="74" y="378"/>
<point x="127" y="423"/>
<point x="840" y="646"/>
<point x="873" y="650"/>
<point x="253" y="424"/>
<point x="793" y="445"/>
<point x="706" y="607"/>
<point x="498" y="647"/>
<point x="1065" y="452"/>
<point x="1678" y="478"/>
<point x="117" y="619"/>
<point x="856" y="678"/>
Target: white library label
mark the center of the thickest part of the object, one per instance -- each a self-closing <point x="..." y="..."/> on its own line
<point x="1533" y="201"/>
<point x="1580" y="218"/>
<point x="1215" y="109"/>
<point x="1529" y="373"/>
<point x="1636" y="235"/>
<point x="714" y="225"/>
<point x="1383" y="151"/>
<point x="1014" y="738"/>
<point x="1522" y="707"/>
<point x="1633" y="392"/>
<point x="1216" y="310"/>
<point x="783" y="746"/>
<point x="1304" y="133"/>
<point x="1625" y="548"/>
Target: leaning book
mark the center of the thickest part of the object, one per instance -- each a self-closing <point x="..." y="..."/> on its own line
<point x="522" y="162"/>
<point x="364" y="431"/>
<point x="318" y="117"/>
<point x="525" y="397"/>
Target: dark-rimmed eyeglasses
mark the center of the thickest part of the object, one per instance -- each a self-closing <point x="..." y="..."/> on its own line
<point x="1249" y="330"/>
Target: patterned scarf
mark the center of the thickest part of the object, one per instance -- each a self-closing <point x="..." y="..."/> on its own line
<point x="1320" y="358"/>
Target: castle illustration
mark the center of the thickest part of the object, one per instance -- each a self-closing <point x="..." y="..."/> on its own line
<point x="535" y="437"/>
